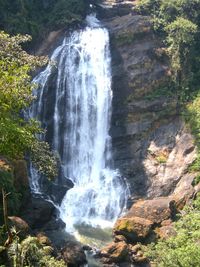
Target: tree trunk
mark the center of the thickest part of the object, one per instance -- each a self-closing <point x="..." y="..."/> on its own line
<point x="5" y="215"/>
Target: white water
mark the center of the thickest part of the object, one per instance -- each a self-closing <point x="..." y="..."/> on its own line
<point x="81" y="122"/>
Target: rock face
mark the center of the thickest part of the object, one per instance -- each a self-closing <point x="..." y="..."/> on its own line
<point x="41" y="214"/>
<point x="152" y="147"/>
<point x="143" y="218"/>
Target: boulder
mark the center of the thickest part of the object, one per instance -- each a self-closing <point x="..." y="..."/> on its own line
<point x="114" y="253"/>
<point x="21" y="226"/>
<point x="133" y="228"/>
<point x="156" y="210"/>
<point x="73" y="254"/>
<point x="136" y="254"/>
<point x="38" y="212"/>
<point x="165" y="232"/>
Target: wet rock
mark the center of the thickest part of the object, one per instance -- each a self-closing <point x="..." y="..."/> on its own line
<point x="49" y="43"/>
<point x="73" y="254"/>
<point x="114" y="253"/>
<point x="21" y="226"/>
<point x="38" y="212"/>
<point x="133" y="228"/>
<point x="54" y="224"/>
<point x="56" y="191"/>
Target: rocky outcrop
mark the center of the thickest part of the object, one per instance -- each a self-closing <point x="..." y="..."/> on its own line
<point x="133" y="228"/>
<point x="152" y="146"/>
<point x="122" y="254"/>
<point x="144" y="217"/>
<point x="115" y="252"/>
<point x="20" y="225"/>
<point x="73" y="254"/>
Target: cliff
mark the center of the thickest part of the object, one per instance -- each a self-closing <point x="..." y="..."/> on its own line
<point x="152" y="145"/>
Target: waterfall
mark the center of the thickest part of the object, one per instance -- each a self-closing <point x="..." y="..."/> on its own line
<point x="80" y="126"/>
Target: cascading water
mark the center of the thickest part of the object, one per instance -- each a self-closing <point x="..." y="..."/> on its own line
<point x="81" y="120"/>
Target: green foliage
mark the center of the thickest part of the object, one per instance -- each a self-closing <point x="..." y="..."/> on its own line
<point x="177" y="22"/>
<point x="17" y="135"/>
<point x="196" y="180"/>
<point x="3" y="237"/>
<point x="7" y="182"/>
<point x="182" y="249"/>
<point x="166" y="91"/>
<point x="192" y="117"/>
<point x="36" y="17"/>
<point x="180" y="36"/>
<point x="30" y="253"/>
<point x="48" y="261"/>
<point x="44" y="159"/>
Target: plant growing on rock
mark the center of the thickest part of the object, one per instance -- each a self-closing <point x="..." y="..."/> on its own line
<point x="177" y="24"/>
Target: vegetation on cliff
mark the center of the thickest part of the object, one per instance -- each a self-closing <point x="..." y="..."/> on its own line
<point x="37" y="17"/>
<point x="177" y="23"/>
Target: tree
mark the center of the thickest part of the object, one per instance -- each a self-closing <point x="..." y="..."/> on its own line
<point x="180" y="38"/>
<point x="17" y="134"/>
